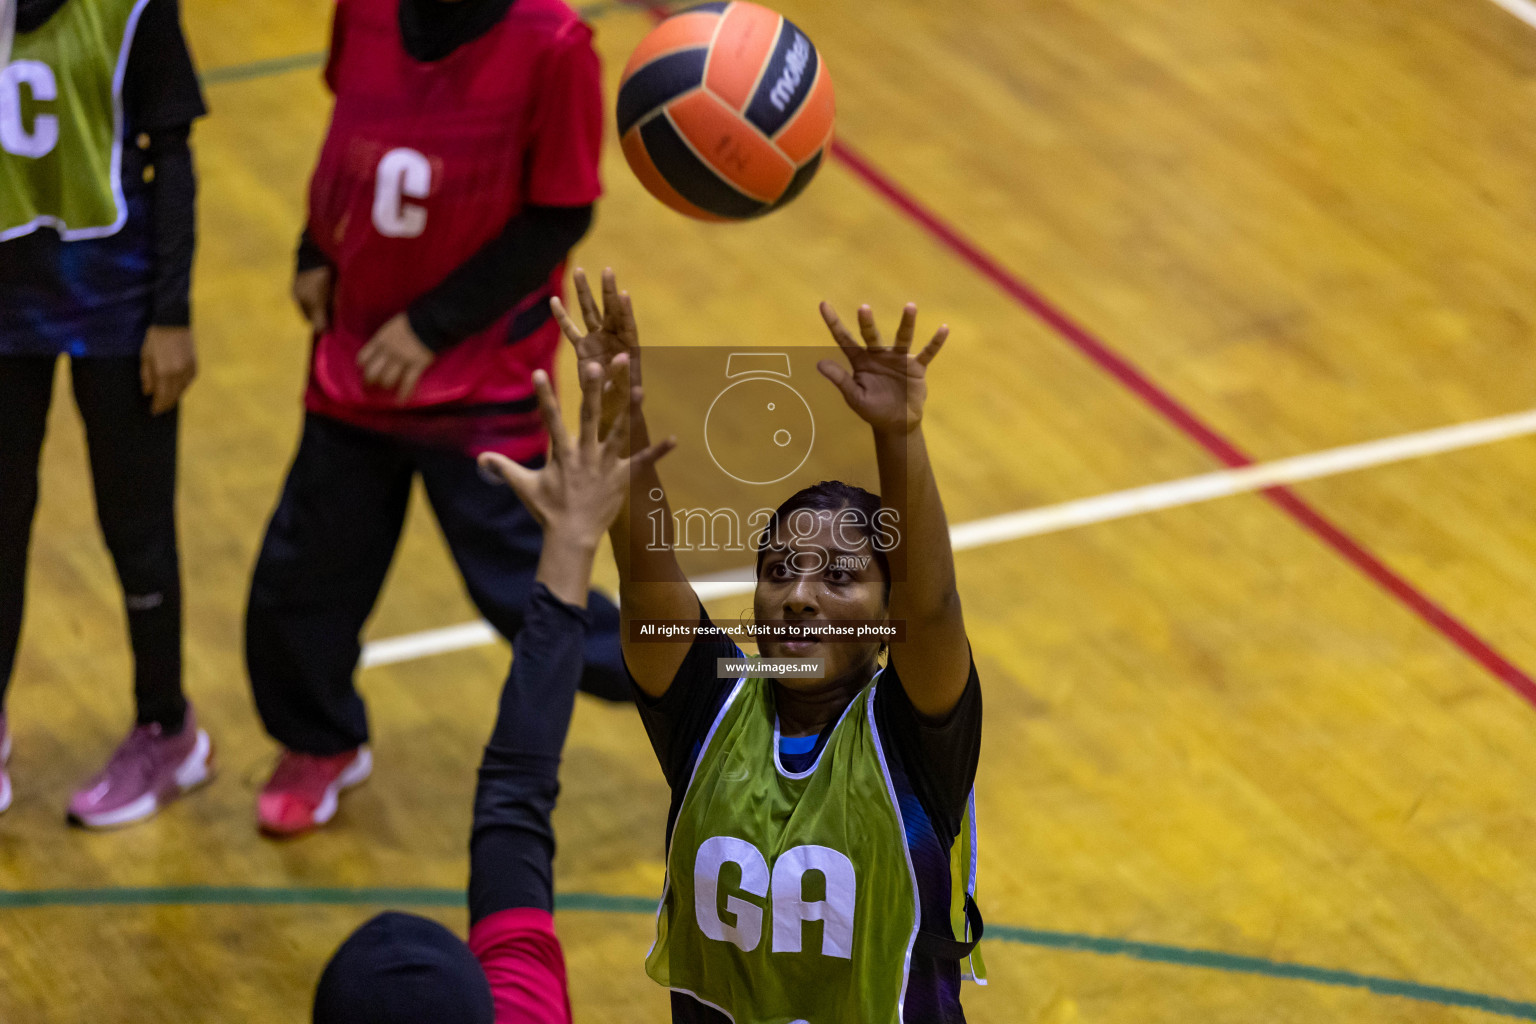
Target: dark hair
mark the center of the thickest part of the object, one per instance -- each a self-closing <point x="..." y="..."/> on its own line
<point x="830" y="496"/>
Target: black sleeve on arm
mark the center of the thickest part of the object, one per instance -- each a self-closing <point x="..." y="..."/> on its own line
<point x="309" y="255"/>
<point x="160" y="87"/>
<point x="940" y="756"/>
<point x="162" y="98"/>
<point x="677" y="721"/>
<point x="512" y="845"/>
<point x="505" y="271"/>
<point x="175" y="225"/>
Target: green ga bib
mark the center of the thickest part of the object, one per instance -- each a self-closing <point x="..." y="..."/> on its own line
<point x="61" y="122"/>
<point x="789" y="898"/>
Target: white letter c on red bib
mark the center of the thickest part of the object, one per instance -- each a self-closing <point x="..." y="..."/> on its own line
<point x="403" y="173"/>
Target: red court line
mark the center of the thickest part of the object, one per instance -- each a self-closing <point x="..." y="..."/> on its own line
<point x="1118" y="367"/>
<point x="1171" y="409"/>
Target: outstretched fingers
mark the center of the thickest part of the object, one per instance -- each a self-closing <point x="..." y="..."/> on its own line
<point x="575" y="335"/>
<point x="868" y="329"/>
<point x="834" y="372"/>
<point x="840" y="333"/>
<point x="589" y="311"/>
<point x="629" y="331"/>
<point x="613" y="430"/>
<point x="592" y="379"/>
<point x="612" y="312"/>
<point x="932" y="348"/>
<point x="549" y="412"/>
<point x="905" y="330"/>
<point x="649" y="455"/>
<point x="520" y="478"/>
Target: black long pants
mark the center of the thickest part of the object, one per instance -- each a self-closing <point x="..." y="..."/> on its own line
<point x="328" y="549"/>
<point x="133" y="470"/>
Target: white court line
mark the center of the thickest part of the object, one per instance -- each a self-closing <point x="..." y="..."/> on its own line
<point x="1525" y="10"/>
<point x="1083" y="512"/>
<point x="427" y="643"/>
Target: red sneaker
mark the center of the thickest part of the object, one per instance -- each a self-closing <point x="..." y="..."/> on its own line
<point x="304" y="789"/>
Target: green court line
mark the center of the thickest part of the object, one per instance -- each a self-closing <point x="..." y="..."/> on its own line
<point x="1238" y="964"/>
<point x="304" y="61"/>
<point x="603" y="903"/>
<point x="262" y="68"/>
<point x="265" y="896"/>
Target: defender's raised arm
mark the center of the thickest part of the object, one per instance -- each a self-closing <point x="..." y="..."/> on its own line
<point x="611" y="333"/>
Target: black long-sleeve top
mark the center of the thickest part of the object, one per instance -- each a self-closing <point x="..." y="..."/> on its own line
<point x="512" y="846"/>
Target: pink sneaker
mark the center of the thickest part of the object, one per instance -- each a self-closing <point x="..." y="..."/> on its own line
<point x="147" y="771"/>
<point x="305" y="789"/>
<point x="5" y="755"/>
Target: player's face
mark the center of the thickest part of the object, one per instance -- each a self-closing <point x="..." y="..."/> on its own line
<point x="817" y="569"/>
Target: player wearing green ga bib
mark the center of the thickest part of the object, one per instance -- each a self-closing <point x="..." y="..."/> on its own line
<point x="61" y="121"/>
<point x="820" y="852"/>
<point x="819" y="896"/>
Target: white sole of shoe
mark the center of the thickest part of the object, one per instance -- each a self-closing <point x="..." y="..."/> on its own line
<point x="359" y="770"/>
<point x="191" y="773"/>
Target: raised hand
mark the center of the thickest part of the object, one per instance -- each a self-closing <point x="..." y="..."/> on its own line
<point x="886" y="385"/>
<point x="580" y="490"/>
<point x="610" y="331"/>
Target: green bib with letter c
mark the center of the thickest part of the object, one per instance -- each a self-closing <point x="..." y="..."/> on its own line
<point x="61" y="122"/>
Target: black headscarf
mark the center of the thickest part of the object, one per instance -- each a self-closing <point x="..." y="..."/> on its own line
<point x="432" y="29"/>
<point x="403" y="969"/>
<point x="32" y="14"/>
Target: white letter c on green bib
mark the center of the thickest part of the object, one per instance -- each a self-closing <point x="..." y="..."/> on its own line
<point x="14" y="136"/>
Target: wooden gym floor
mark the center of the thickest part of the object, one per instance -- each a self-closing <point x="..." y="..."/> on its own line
<point x="1265" y="758"/>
